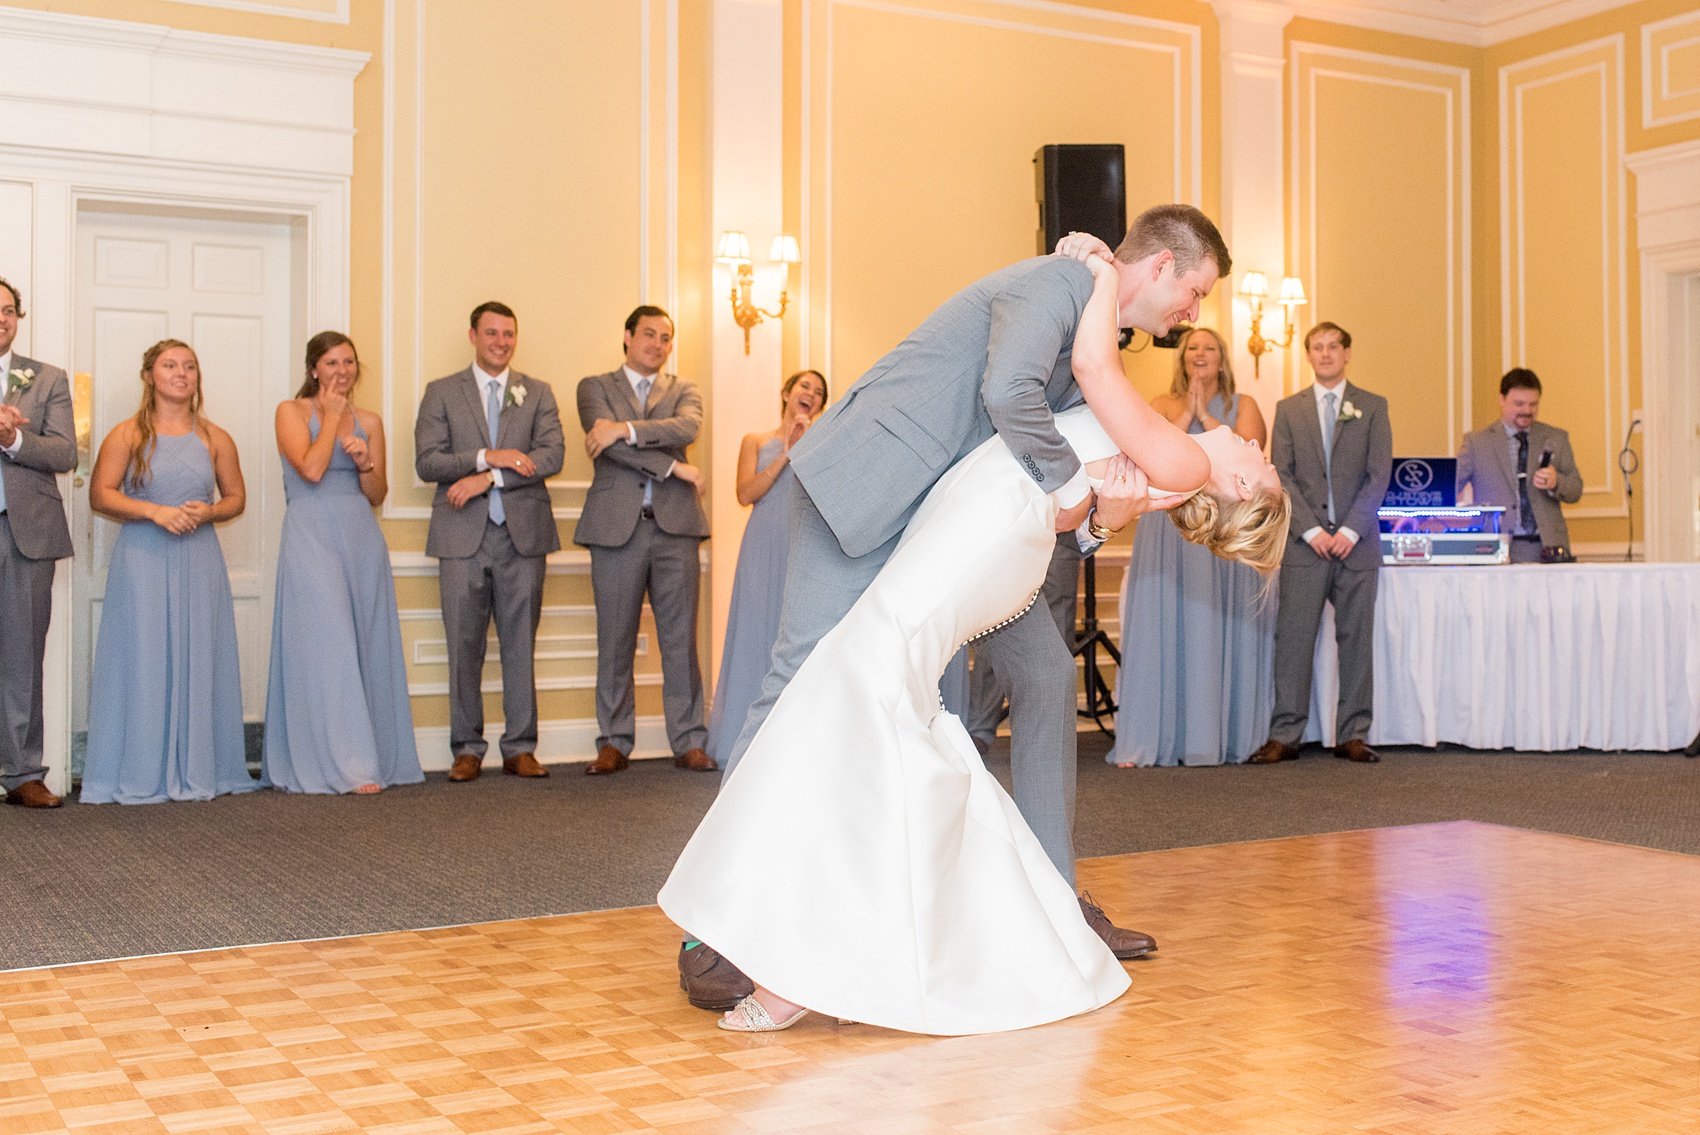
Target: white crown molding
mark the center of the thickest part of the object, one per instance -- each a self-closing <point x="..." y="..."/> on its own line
<point x="339" y="15"/>
<point x="1469" y="22"/>
<point x="92" y="86"/>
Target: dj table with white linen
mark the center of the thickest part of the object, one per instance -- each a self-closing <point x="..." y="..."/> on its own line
<point x="1536" y="657"/>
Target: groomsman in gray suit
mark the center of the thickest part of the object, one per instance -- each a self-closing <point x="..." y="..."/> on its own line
<point x="1333" y="447"/>
<point x="489" y="437"/>
<point x="37" y="441"/>
<point x="643" y="522"/>
<point x="1525" y="466"/>
<point x="994" y="358"/>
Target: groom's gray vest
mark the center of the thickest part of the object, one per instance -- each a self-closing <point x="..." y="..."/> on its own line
<point x="994" y="358"/>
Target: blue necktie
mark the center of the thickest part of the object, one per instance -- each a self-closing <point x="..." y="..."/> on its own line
<point x="643" y="404"/>
<point x="493" y="414"/>
<point x="1328" y="418"/>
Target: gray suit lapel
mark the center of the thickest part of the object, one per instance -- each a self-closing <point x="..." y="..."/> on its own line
<point x="19" y="362"/>
<point x="1312" y="427"/>
<point x="475" y="399"/>
<point x="657" y="388"/>
<point x="1501" y="446"/>
<point x="623" y="394"/>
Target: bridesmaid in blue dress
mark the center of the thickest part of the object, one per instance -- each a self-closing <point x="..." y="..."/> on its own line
<point x="165" y="705"/>
<point x="337" y="714"/>
<point x="766" y="483"/>
<point x="1197" y="678"/>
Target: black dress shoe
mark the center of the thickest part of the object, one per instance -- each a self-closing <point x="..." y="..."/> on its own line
<point x="1272" y="752"/>
<point x="709" y="980"/>
<point x="1357" y="751"/>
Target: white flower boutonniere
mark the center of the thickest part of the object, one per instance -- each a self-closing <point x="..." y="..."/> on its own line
<point x="19" y="379"/>
<point x="516" y="394"/>
<point x="1349" y="411"/>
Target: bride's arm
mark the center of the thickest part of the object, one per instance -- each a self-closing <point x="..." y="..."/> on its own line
<point x="1170" y="458"/>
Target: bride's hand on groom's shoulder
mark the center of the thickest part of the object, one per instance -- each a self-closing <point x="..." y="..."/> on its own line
<point x="1085" y="248"/>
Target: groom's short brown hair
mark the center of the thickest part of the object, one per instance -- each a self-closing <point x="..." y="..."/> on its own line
<point x="1180" y="229"/>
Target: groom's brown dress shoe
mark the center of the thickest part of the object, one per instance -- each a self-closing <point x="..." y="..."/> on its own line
<point x="1271" y="752"/>
<point x="523" y="764"/>
<point x="467" y="767"/>
<point x="1123" y="944"/>
<point x="32" y="794"/>
<point x="696" y="760"/>
<point x="1357" y="751"/>
<point x="709" y="980"/>
<point x="608" y="759"/>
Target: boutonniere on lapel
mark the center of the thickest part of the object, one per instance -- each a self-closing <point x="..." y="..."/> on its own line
<point x="1349" y="412"/>
<point x="515" y="395"/>
<point x="19" y="379"/>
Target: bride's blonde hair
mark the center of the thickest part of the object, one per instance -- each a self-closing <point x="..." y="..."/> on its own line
<point x="1252" y="532"/>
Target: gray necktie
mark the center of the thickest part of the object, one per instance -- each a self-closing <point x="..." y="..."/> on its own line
<point x="1329" y="417"/>
<point x="643" y="386"/>
<point x="493" y="414"/>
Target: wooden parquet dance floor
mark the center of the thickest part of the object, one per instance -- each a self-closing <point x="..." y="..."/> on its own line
<point x="1427" y="980"/>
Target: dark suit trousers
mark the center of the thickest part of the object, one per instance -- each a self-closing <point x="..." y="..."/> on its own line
<point x="497" y="580"/>
<point x="1307" y="582"/>
<point x="667" y="568"/>
<point x="28" y="587"/>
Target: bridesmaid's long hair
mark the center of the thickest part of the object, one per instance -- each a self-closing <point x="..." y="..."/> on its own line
<point x="146" y="436"/>
<point x="1224" y="375"/>
<point x="317" y="348"/>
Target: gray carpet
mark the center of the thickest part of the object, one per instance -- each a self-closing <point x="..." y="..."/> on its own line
<point x="100" y="882"/>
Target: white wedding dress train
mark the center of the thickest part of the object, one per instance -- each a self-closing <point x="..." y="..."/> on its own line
<point x="861" y="860"/>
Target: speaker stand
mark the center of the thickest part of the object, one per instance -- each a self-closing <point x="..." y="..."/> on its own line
<point x="1100" y="699"/>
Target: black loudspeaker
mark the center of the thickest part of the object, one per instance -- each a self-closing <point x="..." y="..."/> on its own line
<point x="1081" y="189"/>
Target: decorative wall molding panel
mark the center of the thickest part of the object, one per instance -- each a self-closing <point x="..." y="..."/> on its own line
<point x="1670" y="70"/>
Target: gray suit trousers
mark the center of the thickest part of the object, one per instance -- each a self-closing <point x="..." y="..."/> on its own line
<point x="1307" y="582"/>
<point x="667" y="567"/>
<point x="495" y="579"/>
<point x="28" y="586"/>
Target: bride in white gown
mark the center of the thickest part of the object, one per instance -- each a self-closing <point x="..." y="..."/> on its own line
<point x="861" y="860"/>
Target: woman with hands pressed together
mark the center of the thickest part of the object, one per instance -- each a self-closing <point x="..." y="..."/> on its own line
<point x="766" y="483"/>
<point x="337" y="714"/>
<point x="165" y="706"/>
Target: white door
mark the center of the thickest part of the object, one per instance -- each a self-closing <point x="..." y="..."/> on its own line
<point x="223" y="287"/>
<point x="1685" y="354"/>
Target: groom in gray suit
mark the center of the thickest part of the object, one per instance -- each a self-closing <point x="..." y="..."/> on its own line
<point x="995" y="358"/>
<point x="37" y="440"/>
<point x="489" y="437"/>
<point x="1333" y="446"/>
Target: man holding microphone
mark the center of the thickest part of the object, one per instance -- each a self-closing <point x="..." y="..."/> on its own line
<point x="1524" y="466"/>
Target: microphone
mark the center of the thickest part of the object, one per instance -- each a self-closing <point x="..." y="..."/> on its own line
<point x="1546" y="457"/>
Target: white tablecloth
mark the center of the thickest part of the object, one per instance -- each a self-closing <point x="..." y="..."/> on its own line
<point x="1533" y="657"/>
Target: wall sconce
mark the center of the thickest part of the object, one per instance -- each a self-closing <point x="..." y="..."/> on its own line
<point x="734" y="252"/>
<point x="1255" y="287"/>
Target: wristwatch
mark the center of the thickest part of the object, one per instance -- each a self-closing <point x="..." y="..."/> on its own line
<point x="1095" y="530"/>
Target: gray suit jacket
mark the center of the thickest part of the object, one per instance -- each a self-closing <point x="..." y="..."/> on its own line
<point x="49" y="447"/>
<point x="1363" y="460"/>
<point x="668" y="423"/>
<point x="994" y="358"/>
<point x="1485" y="462"/>
<point x="447" y="436"/>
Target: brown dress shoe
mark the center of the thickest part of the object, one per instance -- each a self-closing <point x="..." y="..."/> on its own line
<point x="608" y="759"/>
<point x="709" y="980"/>
<point x="1271" y="752"/>
<point x="1357" y="751"/>
<point x="1124" y="944"/>
<point x="696" y="760"/>
<point x="523" y="764"/>
<point x="467" y="767"/>
<point x="33" y="794"/>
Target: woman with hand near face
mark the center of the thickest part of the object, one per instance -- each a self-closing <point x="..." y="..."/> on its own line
<point x="766" y="483"/>
<point x="165" y="706"/>
<point x="337" y="714"/>
<point x="1198" y="688"/>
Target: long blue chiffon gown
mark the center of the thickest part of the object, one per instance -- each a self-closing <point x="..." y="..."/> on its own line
<point x="337" y="714"/>
<point x="1198" y="649"/>
<point x="165" y="704"/>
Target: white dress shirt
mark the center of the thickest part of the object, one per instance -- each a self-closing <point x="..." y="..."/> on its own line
<point x="484" y="379"/>
<point x="634" y="378"/>
<point x="1321" y="392"/>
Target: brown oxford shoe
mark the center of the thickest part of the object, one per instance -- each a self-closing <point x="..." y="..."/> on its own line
<point x="523" y="764"/>
<point x="709" y="980"/>
<point x="608" y="759"/>
<point x="696" y="760"/>
<point x="33" y="794"/>
<point x="1357" y="751"/>
<point x="1271" y="752"/>
<point x="467" y="767"/>
<point x="1124" y="944"/>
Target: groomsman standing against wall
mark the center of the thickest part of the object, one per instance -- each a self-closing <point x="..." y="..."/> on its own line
<point x="489" y="437"/>
<point x="643" y="522"/>
<point x="37" y="440"/>
<point x="1333" y="447"/>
